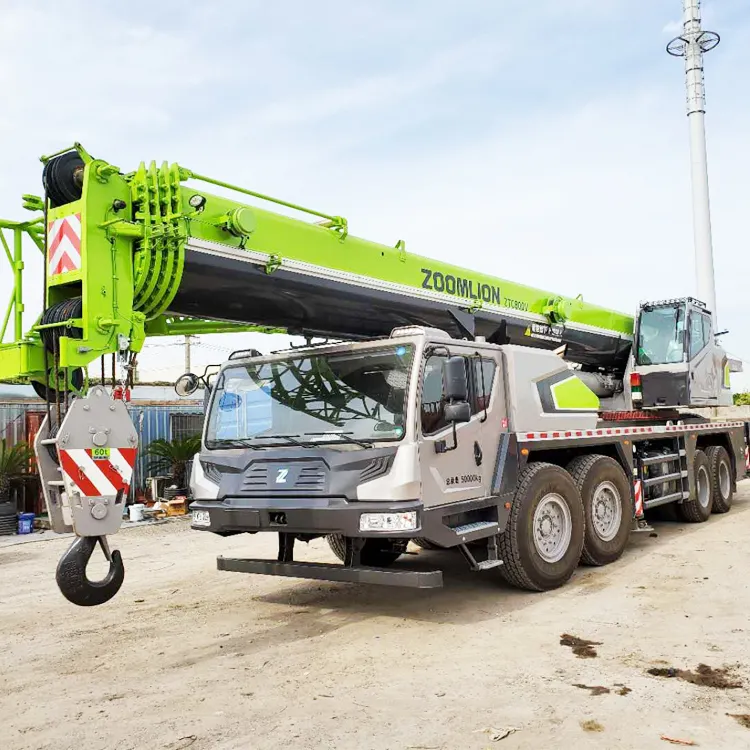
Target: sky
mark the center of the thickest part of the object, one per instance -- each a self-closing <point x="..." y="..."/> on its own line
<point x="541" y="142"/>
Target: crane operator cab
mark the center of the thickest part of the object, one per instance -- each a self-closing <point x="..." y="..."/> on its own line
<point x="678" y="361"/>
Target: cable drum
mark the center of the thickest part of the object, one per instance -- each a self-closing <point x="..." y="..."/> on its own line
<point x="63" y="178"/>
<point x="61" y="312"/>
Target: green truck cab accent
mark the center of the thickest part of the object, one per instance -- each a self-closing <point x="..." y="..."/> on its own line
<point x="573" y="394"/>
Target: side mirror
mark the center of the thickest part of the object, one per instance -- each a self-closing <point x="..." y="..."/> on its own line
<point x="187" y="384"/>
<point x="458" y="411"/>
<point x="455" y="385"/>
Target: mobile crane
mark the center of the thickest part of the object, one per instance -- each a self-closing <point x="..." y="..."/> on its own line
<point x="526" y="429"/>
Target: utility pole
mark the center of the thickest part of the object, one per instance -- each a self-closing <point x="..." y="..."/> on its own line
<point x="692" y="44"/>
<point x="188" y="340"/>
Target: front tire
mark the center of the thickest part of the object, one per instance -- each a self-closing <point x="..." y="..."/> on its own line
<point x="376" y="553"/>
<point x="698" y="509"/>
<point x="722" y="490"/>
<point x="607" y="505"/>
<point x="542" y="543"/>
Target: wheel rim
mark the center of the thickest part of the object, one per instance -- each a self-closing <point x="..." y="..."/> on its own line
<point x="606" y="511"/>
<point x="704" y="490"/>
<point x="725" y="483"/>
<point x="552" y="528"/>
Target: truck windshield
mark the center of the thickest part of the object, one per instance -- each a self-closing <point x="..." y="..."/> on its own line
<point x="661" y="336"/>
<point x="334" y="398"/>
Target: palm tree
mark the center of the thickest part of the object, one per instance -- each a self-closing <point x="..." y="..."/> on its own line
<point x="14" y="460"/>
<point x="173" y="455"/>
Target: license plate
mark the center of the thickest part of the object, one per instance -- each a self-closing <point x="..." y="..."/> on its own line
<point x="201" y="518"/>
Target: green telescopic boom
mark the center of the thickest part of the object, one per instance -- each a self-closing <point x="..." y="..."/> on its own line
<point x="129" y="255"/>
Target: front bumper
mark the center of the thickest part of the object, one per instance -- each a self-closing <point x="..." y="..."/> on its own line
<point x="303" y="515"/>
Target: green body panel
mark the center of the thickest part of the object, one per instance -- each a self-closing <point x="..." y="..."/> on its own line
<point x="284" y="238"/>
<point x="574" y="394"/>
<point x="135" y="230"/>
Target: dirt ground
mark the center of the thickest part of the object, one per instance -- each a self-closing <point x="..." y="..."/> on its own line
<point x="187" y="656"/>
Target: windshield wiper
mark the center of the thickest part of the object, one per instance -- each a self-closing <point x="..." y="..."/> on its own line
<point x="233" y="443"/>
<point x="356" y="441"/>
<point x="290" y="438"/>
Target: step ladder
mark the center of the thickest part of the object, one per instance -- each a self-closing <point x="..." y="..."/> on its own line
<point x="677" y="476"/>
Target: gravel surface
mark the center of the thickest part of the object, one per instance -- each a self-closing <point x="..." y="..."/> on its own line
<point x="186" y="656"/>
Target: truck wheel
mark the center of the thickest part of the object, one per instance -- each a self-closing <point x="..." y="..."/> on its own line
<point x="607" y="505"/>
<point x="721" y="478"/>
<point x="698" y="509"/>
<point x="542" y="542"/>
<point x="377" y="553"/>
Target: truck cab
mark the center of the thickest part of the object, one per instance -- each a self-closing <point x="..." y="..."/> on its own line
<point x="355" y="439"/>
<point x="678" y="361"/>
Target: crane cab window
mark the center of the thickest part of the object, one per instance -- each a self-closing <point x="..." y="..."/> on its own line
<point x="700" y="332"/>
<point x="661" y="336"/>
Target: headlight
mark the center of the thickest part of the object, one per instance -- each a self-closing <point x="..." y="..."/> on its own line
<point x="388" y="521"/>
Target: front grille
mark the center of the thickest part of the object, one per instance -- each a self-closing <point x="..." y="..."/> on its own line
<point x="299" y="477"/>
<point x="311" y="478"/>
<point x="256" y="478"/>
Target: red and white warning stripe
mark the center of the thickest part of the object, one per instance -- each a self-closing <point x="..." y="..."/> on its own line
<point x="614" y="431"/>
<point x="64" y="245"/>
<point x="100" y="478"/>
<point x="638" y="493"/>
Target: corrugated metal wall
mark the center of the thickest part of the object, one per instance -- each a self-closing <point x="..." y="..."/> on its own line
<point x="13" y="420"/>
<point x="151" y="421"/>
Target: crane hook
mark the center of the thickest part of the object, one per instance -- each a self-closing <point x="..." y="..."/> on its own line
<point x="71" y="573"/>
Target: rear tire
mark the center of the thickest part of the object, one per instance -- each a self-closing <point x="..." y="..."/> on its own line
<point x="722" y="490"/>
<point x="542" y="543"/>
<point x="698" y="509"/>
<point x="607" y="505"/>
<point x="376" y="553"/>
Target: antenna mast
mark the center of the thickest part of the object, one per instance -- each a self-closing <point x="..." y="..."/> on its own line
<point x="692" y="44"/>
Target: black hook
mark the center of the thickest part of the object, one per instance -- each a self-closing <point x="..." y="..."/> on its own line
<point x="71" y="573"/>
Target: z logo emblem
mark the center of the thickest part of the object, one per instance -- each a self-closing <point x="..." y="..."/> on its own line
<point x="281" y="476"/>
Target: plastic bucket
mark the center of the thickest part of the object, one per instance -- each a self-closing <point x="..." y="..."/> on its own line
<point x="136" y="512"/>
<point x="26" y="523"/>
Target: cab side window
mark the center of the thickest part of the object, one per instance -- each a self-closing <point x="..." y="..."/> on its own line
<point x="433" y="398"/>
<point x="700" y="329"/>
<point x="707" y="328"/>
<point x="480" y="374"/>
<point x="484" y="374"/>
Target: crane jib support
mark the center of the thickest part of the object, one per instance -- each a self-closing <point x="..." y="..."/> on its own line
<point x="149" y="252"/>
